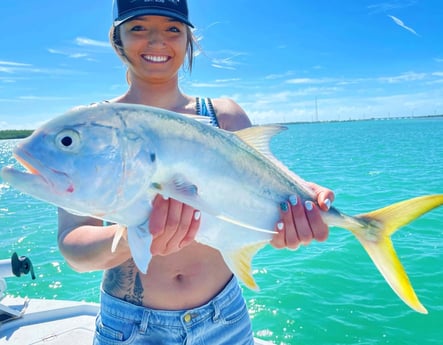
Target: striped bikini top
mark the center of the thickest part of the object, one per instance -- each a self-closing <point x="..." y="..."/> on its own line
<point x="204" y="107"/>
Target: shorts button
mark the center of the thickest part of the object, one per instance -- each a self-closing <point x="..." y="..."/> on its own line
<point x="187" y="317"/>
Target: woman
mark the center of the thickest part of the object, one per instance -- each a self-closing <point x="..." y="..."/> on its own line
<point x="188" y="293"/>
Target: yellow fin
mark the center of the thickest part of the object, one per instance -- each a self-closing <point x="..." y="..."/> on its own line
<point x="385" y="258"/>
<point x="259" y="137"/>
<point x="401" y="213"/>
<point x="375" y="234"/>
<point x="241" y="263"/>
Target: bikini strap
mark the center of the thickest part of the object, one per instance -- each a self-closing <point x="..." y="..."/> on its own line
<point x="204" y="107"/>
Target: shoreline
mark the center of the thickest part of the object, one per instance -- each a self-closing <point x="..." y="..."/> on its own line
<point x="6" y="134"/>
<point x="15" y="133"/>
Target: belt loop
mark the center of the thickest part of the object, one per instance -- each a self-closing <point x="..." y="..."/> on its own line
<point x="216" y="310"/>
<point x="144" y="321"/>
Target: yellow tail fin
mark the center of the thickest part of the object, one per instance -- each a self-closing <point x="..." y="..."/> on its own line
<point x="375" y="235"/>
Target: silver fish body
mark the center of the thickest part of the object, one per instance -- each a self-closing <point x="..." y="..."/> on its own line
<point x="109" y="161"/>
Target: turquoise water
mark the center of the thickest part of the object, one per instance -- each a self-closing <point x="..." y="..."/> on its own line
<point x="326" y="293"/>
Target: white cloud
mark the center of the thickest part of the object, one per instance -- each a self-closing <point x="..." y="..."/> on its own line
<point x="391" y="5"/>
<point x="342" y="107"/>
<point x="404" y="77"/>
<point x="11" y="67"/>
<point x="43" y="98"/>
<point x="401" y="24"/>
<point x="279" y="76"/>
<point x="344" y="98"/>
<point x="340" y="82"/>
<point x="70" y="55"/>
<point x="205" y="85"/>
<point x="222" y="66"/>
<point x="8" y="80"/>
<point x="304" y="81"/>
<point x="13" y="64"/>
<point x="84" y="41"/>
<point x="224" y="59"/>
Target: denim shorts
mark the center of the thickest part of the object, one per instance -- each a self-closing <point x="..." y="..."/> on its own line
<point x="222" y="321"/>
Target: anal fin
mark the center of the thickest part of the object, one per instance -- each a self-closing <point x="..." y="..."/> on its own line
<point x="240" y="263"/>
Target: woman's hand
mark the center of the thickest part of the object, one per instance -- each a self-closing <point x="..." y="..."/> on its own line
<point x="173" y="225"/>
<point x="301" y="222"/>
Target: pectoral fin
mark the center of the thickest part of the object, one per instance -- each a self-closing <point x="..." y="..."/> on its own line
<point x="181" y="189"/>
<point x="178" y="188"/>
<point x="139" y="240"/>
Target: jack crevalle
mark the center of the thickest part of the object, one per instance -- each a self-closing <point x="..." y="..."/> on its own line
<point x="108" y="161"/>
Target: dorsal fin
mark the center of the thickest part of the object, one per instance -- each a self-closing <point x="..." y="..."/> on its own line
<point x="259" y="137"/>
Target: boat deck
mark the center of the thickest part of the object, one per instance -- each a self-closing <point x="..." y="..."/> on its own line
<point x="51" y="322"/>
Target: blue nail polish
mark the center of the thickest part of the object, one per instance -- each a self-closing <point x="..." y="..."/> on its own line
<point x="280" y="226"/>
<point x="309" y="205"/>
<point x="293" y="200"/>
<point x="284" y="206"/>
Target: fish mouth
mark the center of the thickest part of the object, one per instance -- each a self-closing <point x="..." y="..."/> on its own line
<point x="38" y="180"/>
<point x="26" y="164"/>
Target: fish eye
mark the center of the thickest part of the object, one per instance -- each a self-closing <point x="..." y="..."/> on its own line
<point x="68" y="140"/>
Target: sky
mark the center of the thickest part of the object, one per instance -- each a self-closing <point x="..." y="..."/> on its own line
<point x="282" y="61"/>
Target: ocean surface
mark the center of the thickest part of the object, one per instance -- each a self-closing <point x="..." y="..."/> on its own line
<point x="326" y="293"/>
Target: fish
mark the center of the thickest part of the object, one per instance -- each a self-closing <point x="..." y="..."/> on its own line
<point x="110" y="160"/>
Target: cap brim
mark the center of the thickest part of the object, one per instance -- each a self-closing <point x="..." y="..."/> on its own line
<point x="151" y="12"/>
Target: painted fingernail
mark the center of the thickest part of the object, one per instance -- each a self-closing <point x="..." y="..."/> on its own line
<point x="280" y="226"/>
<point x="284" y="206"/>
<point x="197" y="215"/>
<point x="293" y="200"/>
<point x="328" y="203"/>
<point x="294" y="249"/>
<point x="309" y="205"/>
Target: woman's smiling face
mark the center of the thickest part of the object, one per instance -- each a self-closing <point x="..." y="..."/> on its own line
<point x="155" y="46"/>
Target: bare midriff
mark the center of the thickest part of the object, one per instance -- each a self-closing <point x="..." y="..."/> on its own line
<point x="182" y="280"/>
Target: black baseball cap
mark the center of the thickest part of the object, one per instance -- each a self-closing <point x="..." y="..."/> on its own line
<point x="128" y="9"/>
